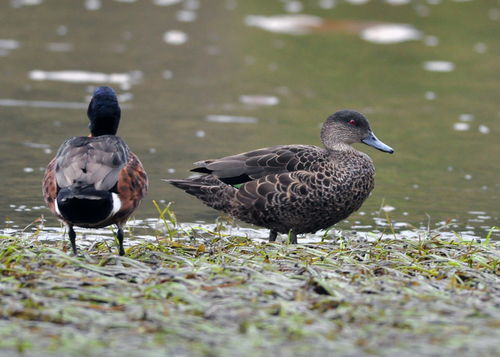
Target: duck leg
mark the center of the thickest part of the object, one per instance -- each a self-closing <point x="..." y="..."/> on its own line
<point x="119" y="235"/>
<point x="272" y="236"/>
<point x="72" y="237"/>
<point x="293" y="237"/>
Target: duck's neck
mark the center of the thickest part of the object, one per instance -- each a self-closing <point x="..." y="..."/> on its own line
<point x="340" y="146"/>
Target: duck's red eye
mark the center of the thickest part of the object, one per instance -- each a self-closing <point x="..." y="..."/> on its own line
<point x="352" y="122"/>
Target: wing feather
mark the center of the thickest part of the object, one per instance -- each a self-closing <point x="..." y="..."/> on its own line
<point x="252" y="165"/>
<point x="91" y="160"/>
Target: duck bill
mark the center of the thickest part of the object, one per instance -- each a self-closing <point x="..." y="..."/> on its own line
<point x="372" y="140"/>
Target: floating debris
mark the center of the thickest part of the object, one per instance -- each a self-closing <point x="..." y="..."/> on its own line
<point x="494" y="14"/>
<point x="186" y="16"/>
<point x="461" y="126"/>
<point x="439" y="66"/>
<point x="388" y="208"/>
<point x="62" y="30"/>
<point x="41" y="104"/>
<point x="397" y="2"/>
<point x="327" y="4"/>
<point x="175" y="37"/>
<point x="466" y="117"/>
<point x="36" y="145"/>
<point x="390" y="33"/>
<point x="125" y="97"/>
<point x="231" y="119"/>
<point x="123" y="79"/>
<point x="288" y="24"/>
<point x="357" y="2"/>
<point x="166" y="2"/>
<point x="294" y="6"/>
<point x="431" y="41"/>
<point x="262" y="100"/>
<point x="21" y="3"/>
<point x="6" y="44"/>
<point x="167" y="74"/>
<point x="93" y="5"/>
<point x="480" y="47"/>
<point x="60" y="47"/>
<point x="483" y="129"/>
<point x="430" y="95"/>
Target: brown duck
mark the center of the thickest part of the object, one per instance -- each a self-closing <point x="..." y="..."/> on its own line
<point x="293" y="188"/>
<point x="95" y="181"/>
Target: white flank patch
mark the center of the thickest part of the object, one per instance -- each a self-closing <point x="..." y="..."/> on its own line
<point x="56" y="207"/>
<point x="117" y="204"/>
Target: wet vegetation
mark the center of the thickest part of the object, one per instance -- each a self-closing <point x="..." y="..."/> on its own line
<point x="199" y="292"/>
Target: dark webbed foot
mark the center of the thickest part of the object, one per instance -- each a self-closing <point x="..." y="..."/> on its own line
<point x="72" y="237"/>
<point x="119" y="235"/>
<point x="272" y="236"/>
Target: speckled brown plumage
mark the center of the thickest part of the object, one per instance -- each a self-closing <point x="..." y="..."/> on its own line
<point x="297" y="188"/>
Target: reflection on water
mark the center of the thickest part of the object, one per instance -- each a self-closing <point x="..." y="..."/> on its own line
<point x="231" y="119"/>
<point x="41" y="104"/>
<point x="207" y="79"/>
<point x="175" y="37"/>
<point x="439" y="66"/>
<point x="60" y="47"/>
<point x="124" y="80"/>
<point x="390" y="33"/>
<point x="289" y="24"/>
<point x="264" y="100"/>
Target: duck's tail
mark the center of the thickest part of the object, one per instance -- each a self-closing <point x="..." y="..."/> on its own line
<point x="83" y="205"/>
<point x="209" y="189"/>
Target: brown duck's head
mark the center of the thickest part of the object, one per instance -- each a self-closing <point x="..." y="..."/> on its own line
<point x="104" y="112"/>
<point x="349" y="127"/>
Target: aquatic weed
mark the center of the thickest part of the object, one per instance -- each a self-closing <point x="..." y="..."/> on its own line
<point x="203" y="291"/>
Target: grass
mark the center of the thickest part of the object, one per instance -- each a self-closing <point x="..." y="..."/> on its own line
<point x="199" y="292"/>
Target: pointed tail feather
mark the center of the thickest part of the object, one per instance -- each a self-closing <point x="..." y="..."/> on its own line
<point x="210" y="190"/>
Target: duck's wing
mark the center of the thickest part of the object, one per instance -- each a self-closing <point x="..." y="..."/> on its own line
<point x="275" y="189"/>
<point x="132" y="186"/>
<point x="244" y="167"/>
<point x="93" y="161"/>
<point x="49" y="185"/>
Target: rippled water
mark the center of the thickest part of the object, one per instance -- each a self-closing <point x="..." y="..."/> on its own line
<point x="200" y="79"/>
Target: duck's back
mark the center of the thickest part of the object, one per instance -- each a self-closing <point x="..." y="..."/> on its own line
<point x="81" y="183"/>
<point x="93" y="161"/>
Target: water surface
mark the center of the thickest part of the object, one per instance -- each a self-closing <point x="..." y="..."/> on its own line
<point x="202" y="79"/>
